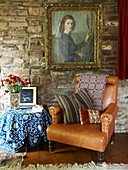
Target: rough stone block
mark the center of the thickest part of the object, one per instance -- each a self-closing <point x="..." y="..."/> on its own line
<point x="34" y="61"/>
<point x="20" y="71"/>
<point x="31" y="4"/>
<point x="13" y="18"/>
<point x="110" y="38"/>
<point x="106" y="52"/>
<point x="18" y="24"/>
<point x="34" y="48"/>
<point x="3" y="25"/>
<point x="21" y="12"/>
<point x="15" y="11"/>
<point x="112" y="18"/>
<point x="111" y="23"/>
<point x="106" y="47"/>
<point x="57" y="74"/>
<point x="36" y="54"/>
<point x="35" y="80"/>
<point x="45" y="81"/>
<point x="37" y="72"/>
<point x="14" y="42"/>
<point x="35" y="23"/>
<point x="18" y="61"/>
<point x="6" y="60"/>
<point x="36" y="11"/>
<point x="35" y="35"/>
<point x="50" y="86"/>
<point x="34" y="29"/>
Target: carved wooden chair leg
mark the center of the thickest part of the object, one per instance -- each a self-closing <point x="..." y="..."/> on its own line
<point x="112" y="138"/>
<point x="100" y="157"/>
<point x="51" y="146"/>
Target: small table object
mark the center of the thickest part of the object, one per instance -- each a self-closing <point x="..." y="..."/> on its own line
<point x="16" y="125"/>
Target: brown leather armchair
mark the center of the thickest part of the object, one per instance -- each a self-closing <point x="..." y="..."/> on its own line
<point x="89" y="136"/>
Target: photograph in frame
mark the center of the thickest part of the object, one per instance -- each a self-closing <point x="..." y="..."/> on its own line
<point x="28" y="96"/>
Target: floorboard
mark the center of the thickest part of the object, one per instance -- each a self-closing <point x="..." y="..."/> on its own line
<point x="114" y="153"/>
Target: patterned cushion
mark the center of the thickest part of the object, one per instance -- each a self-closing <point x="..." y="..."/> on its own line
<point x="83" y="97"/>
<point x="90" y="116"/>
<point x="95" y="84"/>
<point x="70" y="108"/>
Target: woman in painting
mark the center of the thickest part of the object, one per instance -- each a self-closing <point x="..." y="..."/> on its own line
<point x="67" y="46"/>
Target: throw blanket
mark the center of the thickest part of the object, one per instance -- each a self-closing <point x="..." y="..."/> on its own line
<point x="95" y="85"/>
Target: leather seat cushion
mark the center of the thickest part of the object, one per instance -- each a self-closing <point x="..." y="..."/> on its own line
<point x="88" y="136"/>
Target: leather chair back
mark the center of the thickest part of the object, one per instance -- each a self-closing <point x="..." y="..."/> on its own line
<point x="110" y="93"/>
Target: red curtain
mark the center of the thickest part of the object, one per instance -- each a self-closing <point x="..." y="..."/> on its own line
<point x="122" y="51"/>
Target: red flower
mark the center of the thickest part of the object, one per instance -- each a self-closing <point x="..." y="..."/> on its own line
<point x="26" y="82"/>
<point x="10" y="82"/>
<point x="7" y="80"/>
<point x="10" y="76"/>
<point x="2" y="85"/>
<point x="14" y="77"/>
<point x="6" y="91"/>
<point x="22" y="82"/>
<point x="14" y="80"/>
<point x="19" y="80"/>
<point x="14" y="85"/>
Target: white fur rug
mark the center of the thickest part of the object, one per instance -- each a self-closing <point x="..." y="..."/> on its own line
<point x="86" y="166"/>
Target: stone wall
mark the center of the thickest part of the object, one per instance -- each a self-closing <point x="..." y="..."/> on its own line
<point x="122" y="100"/>
<point x="22" y="50"/>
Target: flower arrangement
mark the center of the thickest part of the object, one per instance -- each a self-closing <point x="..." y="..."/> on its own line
<point x="14" y="83"/>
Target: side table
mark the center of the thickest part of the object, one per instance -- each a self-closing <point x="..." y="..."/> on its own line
<point x="16" y="125"/>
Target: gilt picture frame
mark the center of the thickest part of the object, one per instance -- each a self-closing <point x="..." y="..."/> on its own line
<point x="79" y="47"/>
<point x="28" y="96"/>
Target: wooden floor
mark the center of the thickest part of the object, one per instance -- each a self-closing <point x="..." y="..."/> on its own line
<point x="115" y="153"/>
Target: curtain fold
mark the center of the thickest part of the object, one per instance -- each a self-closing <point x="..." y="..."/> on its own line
<point x="122" y="51"/>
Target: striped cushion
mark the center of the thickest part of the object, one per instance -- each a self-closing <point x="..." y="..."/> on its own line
<point x="70" y="108"/>
<point x="83" y="97"/>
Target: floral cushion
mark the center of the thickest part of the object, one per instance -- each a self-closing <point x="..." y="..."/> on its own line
<point x="90" y="116"/>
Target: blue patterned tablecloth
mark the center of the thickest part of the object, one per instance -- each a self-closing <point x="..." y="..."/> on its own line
<point x="16" y="125"/>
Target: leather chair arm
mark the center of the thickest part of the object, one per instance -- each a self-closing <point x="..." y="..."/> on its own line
<point x="108" y="117"/>
<point x="56" y="113"/>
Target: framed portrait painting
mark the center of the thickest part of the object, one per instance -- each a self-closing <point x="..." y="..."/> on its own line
<point x="72" y="37"/>
<point x="28" y="96"/>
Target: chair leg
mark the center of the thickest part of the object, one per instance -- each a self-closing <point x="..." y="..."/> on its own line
<point x="100" y="157"/>
<point x="51" y="146"/>
<point x="112" y="140"/>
